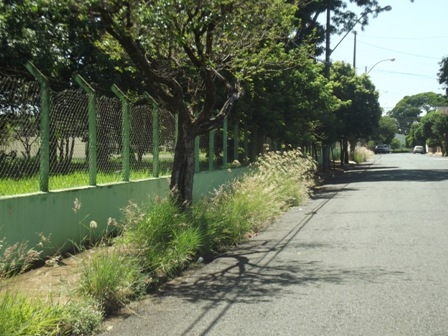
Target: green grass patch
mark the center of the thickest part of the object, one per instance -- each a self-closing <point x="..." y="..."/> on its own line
<point x="23" y="316"/>
<point x="112" y="278"/>
<point x="165" y="238"/>
<point x="9" y="187"/>
<point x="20" y="315"/>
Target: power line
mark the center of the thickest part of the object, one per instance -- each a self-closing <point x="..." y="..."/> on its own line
<point x="407" y="74"/>
<point x="406" y="38"/>
<point x="399" y="52"/>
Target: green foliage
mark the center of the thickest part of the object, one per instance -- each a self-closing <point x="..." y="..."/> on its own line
<point x="410" y="108"/>
<point x="162" y="240"/>
<point x="111" y="278"/>
<point x="386" y="130"/>
<point x="311" y="19"/>
<point x="439" y="129"/>
<point x="371" y="145"/>
<point x="289" y="106"/>
<point x="359" y="115"/>
<point x="431" y="130"/>
<point x="395" y="144"/>
<point x="167" y="239"/>
<point x="443" y="72"/>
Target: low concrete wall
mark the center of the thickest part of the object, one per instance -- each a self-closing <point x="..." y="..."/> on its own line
<point x="23" y="217"/>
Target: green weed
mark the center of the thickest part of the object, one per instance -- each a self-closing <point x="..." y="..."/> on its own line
<point x="112" y="278"/>
<point x="16" y="258"/>
<point x="83" y="317"/>
<point x="23" y="316"/>
<point x="163" y="236"/>
<point x="237" y="210"/>
<point x="20" y="315"/>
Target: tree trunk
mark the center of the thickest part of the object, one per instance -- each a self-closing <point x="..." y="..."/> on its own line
<point x="346" y="154"/>
<point x="342" y="153"/>
<point x="181" y="185"/>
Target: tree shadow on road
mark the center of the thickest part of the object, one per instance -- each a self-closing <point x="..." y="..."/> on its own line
<point x="236" y="278"/>
<point x="377" y="173"/>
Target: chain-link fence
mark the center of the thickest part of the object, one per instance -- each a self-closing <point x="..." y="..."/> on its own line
<point x="24" y="165"/>
<point x="62" y="135"/>
<point x="19" y="134"/>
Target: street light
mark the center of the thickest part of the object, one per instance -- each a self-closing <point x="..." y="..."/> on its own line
<point x="384" y="60"/>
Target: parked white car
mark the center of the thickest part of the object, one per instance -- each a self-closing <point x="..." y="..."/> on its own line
<point x="418" y="149"/>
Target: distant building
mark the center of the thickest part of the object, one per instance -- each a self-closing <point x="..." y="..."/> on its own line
<point x="401" y="138"/>
<point x="442" y="109"/>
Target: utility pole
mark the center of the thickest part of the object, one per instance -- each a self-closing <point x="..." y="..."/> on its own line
<point x="325" y="148"/>
<point x="354" y="52"/>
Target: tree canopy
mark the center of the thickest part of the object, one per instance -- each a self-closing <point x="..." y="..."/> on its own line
<point x="387" y="129"/>
<point x="359" y="114"/>
<point x="188" y="51"/>
<point x="431" y="130"/>
<point x="196" y="58"/>
<point x="410" y="108"/>
<point x="443" y="73"/>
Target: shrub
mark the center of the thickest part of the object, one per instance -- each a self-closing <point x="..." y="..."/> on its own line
<point x="362" y="154"/>
<point x="83" y="317"/>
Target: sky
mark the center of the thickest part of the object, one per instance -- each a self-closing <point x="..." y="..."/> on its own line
<point x="415" y="34"/>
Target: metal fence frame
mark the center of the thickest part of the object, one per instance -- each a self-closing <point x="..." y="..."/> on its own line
<point x="243" y="154"/>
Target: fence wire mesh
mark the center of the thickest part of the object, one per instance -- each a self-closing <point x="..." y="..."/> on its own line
<point x="109" y="139"/>
<point x="19" y="134"/>
<point x="69" y="138"/>
<point x="167" y="140"/>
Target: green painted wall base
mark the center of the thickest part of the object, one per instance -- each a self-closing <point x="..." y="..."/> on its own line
<point x="23" y="217"/>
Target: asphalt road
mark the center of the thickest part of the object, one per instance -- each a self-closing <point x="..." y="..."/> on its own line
<point x="366" y="256"/>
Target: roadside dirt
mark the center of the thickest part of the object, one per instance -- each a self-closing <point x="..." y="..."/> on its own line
<point x="55" y="281"/>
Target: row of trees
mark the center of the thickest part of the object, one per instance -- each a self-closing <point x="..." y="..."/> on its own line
<point x="197" y="58"/>
<point x="423" y="118"/>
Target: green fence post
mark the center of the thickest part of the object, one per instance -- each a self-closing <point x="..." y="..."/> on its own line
<point x="44" y="167"/>
<point x="211" y="149"/>
<point x="155" y="136"/>
<point x="125" y="130"/>
<point x="224" y="143"/>
<point x="196" y="154"/>
<point x="92" y="128"/>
